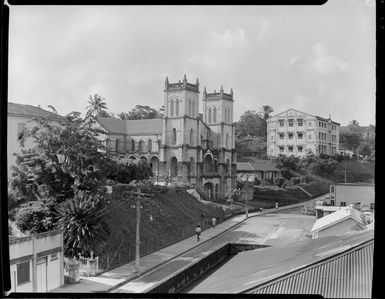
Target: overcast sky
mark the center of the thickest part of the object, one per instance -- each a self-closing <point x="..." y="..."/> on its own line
<point x="317" y="59"/>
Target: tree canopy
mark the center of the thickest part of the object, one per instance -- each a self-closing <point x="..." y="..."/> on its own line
<point x="141" y="112"/>
<point x="65" y="175"/>
<point x="96" y="107"/>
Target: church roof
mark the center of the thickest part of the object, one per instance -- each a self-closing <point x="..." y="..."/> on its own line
<point x="132" y="127"/>
<point x="113" y="125"/>
<point x="145" y="126"/>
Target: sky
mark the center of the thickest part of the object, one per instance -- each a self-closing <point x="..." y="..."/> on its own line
<point x="316" y="59"/>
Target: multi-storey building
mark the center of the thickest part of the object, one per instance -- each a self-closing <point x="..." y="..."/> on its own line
<point x="293" y="132"/>
<point x="184" y="147"/>
<point x="22" y="117"/>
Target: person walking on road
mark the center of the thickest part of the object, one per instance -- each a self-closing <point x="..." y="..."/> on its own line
<point x="198" y="232"/>
<point x="214" y="221"/>
<point x="276" y="205"/>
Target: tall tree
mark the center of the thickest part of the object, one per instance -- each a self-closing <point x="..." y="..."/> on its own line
<point x="266" y="110"/>
<point x="96" y="105"/>
<point x="250" y="123"/>
<point x="141" y="112"/>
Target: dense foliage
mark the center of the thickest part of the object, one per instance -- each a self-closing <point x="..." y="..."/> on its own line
<point x="63" y="178"/>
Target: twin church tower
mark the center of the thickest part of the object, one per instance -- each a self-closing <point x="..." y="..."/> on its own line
<point x="199" y="149"/>
<point x="184" y="147"/>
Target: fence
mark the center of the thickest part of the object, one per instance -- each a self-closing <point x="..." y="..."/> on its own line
<point x="126" y="249"/>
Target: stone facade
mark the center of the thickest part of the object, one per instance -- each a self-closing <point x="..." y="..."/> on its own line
<point x="293" y="132"/>
<point x="182" y="147"/>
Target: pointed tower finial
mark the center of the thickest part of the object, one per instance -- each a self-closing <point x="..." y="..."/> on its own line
<point x="204" y="92"/>
<point x="166" y="83"/>
<point x="221" y="90"/>
<point x="184" y="78"/>
<point x="197" y="82"/>
<point x="231" y="91"/>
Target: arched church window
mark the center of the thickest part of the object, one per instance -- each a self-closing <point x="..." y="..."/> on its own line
<point x="116" y="144"/>
<point x="191" y="137"/>
<point x="201" y="140"/>
<point x="193" y="109"/>
<point x="133" y="145"/>
<point x="227" y="140"/>
<point x="209" y="115"/>
<point x="215" y="114"/>
<point x="173" y="137"/>
<point x="141" y="146"/>
<point x="172" y="108"/>
<point x="149" y="145"/>
<point x="177" y="108"/>
<point x="189" y="108"/>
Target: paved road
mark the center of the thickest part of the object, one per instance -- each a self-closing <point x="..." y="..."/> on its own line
<point x="266" y="229"/>
<point x="124" y="278"/>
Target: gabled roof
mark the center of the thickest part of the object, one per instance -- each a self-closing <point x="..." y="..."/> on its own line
<point x="244" y="166"/>
<point x="30" y="111"/>
<point x="113" y="125"/>
<point x="337" y="217"/>
<point x="252" y="164"/>
<point x="132" y="127"/>
<point x="294" y="110"/>
<point x="145" y="126"/>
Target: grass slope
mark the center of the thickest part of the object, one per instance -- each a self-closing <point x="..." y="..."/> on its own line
<point x="165" y="218"/>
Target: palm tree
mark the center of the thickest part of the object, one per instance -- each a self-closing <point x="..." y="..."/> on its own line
<point x="354" y="123"/>
<point x="84" y="226"/>
<point x="266" y="110"/>
<point x="97" y="104"/>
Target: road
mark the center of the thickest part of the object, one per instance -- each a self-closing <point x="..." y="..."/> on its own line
<point x="267" y="229"/>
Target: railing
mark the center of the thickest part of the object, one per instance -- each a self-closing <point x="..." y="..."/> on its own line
<point x="88" y="266"/>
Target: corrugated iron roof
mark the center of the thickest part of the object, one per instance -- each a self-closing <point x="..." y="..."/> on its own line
<point x="29" y="110"/>
<point x="338" y="216"/>
<point x="132" y="127"/>
<point x="256" y="165"/>
<point x="346" y="275"/>
<point x="248" y="270"/>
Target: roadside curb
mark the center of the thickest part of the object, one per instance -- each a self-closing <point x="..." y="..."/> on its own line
<point x="270" y="211"/>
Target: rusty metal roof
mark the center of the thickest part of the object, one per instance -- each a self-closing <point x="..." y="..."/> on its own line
<point x="346" y="275"/>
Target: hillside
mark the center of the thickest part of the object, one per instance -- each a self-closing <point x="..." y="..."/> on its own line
<point x="165" y="218"/>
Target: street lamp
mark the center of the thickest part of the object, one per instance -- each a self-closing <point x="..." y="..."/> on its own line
<point x="249" y="179"/>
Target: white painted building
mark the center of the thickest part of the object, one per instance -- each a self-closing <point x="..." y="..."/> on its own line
<point x="339" y="222"/>
<point x="183" y="147"/>
<point x="22" y="117"/>
<point x="36" y="262"/>
<point x="297" y="133"/>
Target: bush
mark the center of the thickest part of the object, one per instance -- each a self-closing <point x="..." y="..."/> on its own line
<point x="279" y="181"/>
<point x="33" y="218"/>
<point x="295" y="180"/>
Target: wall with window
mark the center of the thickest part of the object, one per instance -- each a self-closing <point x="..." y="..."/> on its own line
<point x="36" y="262"/>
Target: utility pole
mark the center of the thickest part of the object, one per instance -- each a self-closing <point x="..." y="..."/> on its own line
<point x="138" y="196"/>
<point x="137" y="242"/>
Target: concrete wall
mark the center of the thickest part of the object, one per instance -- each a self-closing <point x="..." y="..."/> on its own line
<point x="46" y="248"/>
<point x="352" y="194"/>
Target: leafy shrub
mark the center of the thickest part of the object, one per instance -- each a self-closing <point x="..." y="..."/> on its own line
<point x="33" y="218"/>
<point x="279" y="181"/>
<point x="295" y="180"/>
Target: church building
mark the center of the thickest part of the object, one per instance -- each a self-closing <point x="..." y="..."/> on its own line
<point x="184" y="147"/>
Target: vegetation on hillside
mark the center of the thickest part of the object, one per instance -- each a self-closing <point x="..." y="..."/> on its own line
<point x="63" y="179"/>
